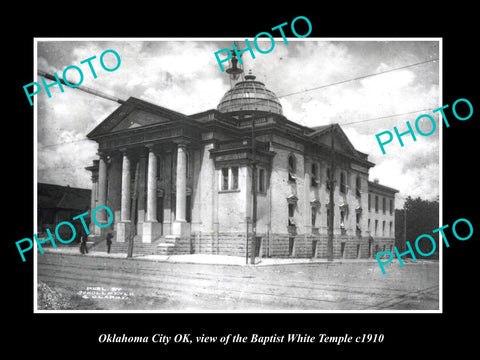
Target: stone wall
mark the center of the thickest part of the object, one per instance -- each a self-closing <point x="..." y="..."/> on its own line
<point x="279" y="245"/>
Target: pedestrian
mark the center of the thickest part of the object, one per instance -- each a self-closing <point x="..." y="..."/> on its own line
<point x="83" y="244"/>
<point x="109" y="242"/>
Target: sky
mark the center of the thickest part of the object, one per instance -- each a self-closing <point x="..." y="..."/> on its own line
<point x="183" y="75"/>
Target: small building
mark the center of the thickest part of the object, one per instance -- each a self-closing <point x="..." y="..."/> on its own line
<point x="184" y="183"/>
<point x="57" y="203"/>
<point x="381" y="217"/>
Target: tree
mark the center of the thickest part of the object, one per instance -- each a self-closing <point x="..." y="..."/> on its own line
<point x="422" y="218"/>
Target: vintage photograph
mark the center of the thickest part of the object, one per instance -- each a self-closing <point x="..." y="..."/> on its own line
<point x="261" y="188"/>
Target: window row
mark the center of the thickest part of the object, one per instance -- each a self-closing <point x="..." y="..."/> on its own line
<point x="384" y="204"/>
<point x="229" y="179"/>
<point x="384" y="224"/>
<point x="315" y="209"/>
<point x="315" y="177"/>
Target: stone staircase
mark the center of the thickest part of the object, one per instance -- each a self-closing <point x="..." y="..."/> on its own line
<point x="173" y="246"/>
<point x="139" y="248"/>
<point x="161" y="246"/>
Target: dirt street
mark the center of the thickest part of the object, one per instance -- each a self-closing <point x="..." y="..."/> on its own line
<point x="67" y="282"/>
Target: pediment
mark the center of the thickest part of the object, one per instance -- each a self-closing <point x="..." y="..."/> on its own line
<point x="341" y="142"/>
<point x="138" y="118"/>
<point x="136" y="113"/>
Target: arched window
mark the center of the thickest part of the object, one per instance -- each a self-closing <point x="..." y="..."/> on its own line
<point x="292" y="168"/>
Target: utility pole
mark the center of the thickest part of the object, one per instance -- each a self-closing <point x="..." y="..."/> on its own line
<point x="246" y="243"/>
<point x="332" y="208"/>
<point x="254" y="194"/>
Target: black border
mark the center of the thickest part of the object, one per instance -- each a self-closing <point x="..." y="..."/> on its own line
<point x="406" y="334"/>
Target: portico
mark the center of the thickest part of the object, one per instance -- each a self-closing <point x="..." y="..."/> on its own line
<point x="141" y="174"/>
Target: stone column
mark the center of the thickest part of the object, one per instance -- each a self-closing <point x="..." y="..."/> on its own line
<point x="181" y="191"/>
<point x="124" y="225"/>
<point x="142" y="192"/>
<point x="152" y="186"/>
<point x="101" y="215"/>
<point x="180" y="227"/>
<point x="125" y="205"/>
<point x="151" y="227"/>
<point x="93" y="201"/>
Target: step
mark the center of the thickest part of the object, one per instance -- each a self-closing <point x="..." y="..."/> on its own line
<point x="165" y="249"/>
<point x="139" y="248"/>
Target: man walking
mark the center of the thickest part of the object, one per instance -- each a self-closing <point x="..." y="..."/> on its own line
<point x="109" y="242"/>
<point x="83" y="244"/>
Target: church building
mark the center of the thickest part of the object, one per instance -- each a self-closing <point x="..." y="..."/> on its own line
<point x="180" y="184"/>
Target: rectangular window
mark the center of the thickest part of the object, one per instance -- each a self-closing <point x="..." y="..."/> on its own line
<point x="376" y="226"/>
<point x="358" y="186"/>
<point x="315" y="178"/>
<point x="369" y="202"/>
<point x="159" y="167"/>
<point x="314" y="215"/>
<point x="343" y="184"/>
<point x="291" y="213"/>
<point x="188" y="214"/>
<point x="329" y="178"/>
<point x="292" y="168"/>
<point x="234" y="177"/>
<point x="358" y="218"/>
<point x="369" y="225"/>
<point x="383" y="228"/>
<point x="342" y="219"/>
<point x="189" y="164"/>
<point x="261" y="180"/>
<point x="391" y="228"/>
<point x="384" y="205"/>
<point x="224" y="178"/>
<point x="376" y="203"/>
<point x="391" y="206"/>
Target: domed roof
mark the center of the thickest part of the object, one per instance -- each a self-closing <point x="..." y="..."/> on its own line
<point x="250" y="95"/>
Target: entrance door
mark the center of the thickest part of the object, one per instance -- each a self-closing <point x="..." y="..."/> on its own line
<point x="160" y="212"/>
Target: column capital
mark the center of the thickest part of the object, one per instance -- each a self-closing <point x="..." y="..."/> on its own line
<point x="102" y="155"/>
<point x="181" y="143"/>
<point x="155" y="148"/>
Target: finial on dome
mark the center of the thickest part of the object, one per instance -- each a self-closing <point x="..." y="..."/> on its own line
<point x="250" y="76"/>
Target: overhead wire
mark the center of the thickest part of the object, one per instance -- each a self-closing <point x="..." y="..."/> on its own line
<point x="322" y="87"/>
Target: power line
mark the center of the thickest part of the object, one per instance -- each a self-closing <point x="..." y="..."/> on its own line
<point x="342" y="81"/>
<point x="98" y="93"/>
<point x="384" y="117"/>
<point x="358" y="78"/>
<point x="67" y="142"/>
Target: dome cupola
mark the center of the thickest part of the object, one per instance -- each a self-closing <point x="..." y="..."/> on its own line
<point x="249" y="95"/>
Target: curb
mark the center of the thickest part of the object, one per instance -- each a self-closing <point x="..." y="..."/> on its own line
<point x="204" y="259"/>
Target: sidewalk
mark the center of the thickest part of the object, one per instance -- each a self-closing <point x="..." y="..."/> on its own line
<point x="203" y="258"/>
